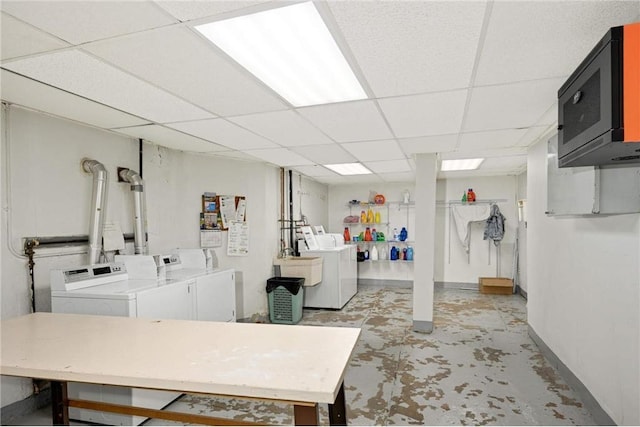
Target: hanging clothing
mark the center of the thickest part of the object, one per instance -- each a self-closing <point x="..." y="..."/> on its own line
<point x="463" y="216"/>
<point x="495" y="225"/>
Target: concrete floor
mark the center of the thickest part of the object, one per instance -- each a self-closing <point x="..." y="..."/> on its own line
<point x="478" y="367"/>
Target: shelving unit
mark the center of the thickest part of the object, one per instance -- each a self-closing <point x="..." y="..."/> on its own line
<point x="384" y="226"/>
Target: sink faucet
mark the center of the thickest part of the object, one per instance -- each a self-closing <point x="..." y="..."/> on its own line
<point x="283" y="253"/>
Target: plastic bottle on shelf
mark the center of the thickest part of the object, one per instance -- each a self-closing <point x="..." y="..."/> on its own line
<point x="363" y="217"/>
<point x="405" y="253"/>
<point x="395" y="234"/>
<point x="403" y="234"/>
<point x="367" y="235"/>
<point x="471" y="196"/>
<point x="464" y="197"/>
<point x="383" y="254"/>
<point x="366" y="254"/>
<point x="374" y="253"/>
<point x="370" y="218"/>
<point x="374" y="235"/>
<point x="394" y="253"/>
<point x="347" y="235"/>
<point x="409" y="253"/>
<point x="377" y="218"/>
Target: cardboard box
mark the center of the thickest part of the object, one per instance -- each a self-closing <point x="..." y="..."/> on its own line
<point x="496" y="285"/>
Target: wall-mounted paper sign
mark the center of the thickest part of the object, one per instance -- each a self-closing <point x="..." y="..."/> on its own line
<point x="309" y="238"/>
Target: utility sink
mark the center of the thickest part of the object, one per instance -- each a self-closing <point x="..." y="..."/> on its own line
<point x="301" y="266"/>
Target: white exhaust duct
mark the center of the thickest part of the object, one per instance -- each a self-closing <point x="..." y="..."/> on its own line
<point x="98" y="201"/>
<point x="137" y="187"/>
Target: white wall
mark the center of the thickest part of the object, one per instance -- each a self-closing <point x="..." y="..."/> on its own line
<point x="452" y="263"/>
<point x="522" y="233"/>
<point x="50" y="195"/>
<point x="584" y="294"/>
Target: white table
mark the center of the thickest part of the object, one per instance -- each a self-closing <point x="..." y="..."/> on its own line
<point x="301" y="365"/>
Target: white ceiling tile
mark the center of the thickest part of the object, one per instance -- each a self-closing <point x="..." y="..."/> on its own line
<point x="533" y="134"/>
<point x="505" y="163"/>
<point x="20" y="39"/>
<point x="224" y="133"/>
<point x="490" y="139"/>
<point x="398" y="177"/>
<point x="325" y="154"/>
<point x="236" y="155"/>
<point x="183" y="63"/>
<point x="29" y="93"/>
<point x="76" y="72"/>
<point x="315" y="171"/>
<point x="280" y="157"/>
<point x="424" y="115"/>
<point x="495" y="152"/>
<point x="351" y="179"/>
<point x="550" y="117"/>
<point x="283" y="127"/>
<point x="82" y="21"/>
<point x="429" y="144"/>
<point x="349" y="121"/>
<point x="170" y="138"/>
<point x="186" y="10"/>
<point x="405" y="47"/>
<point x="375" y="150"/>
<point x="389" y="166"/>
<point x="529" y="40"/>
<point x="515" y="105"/>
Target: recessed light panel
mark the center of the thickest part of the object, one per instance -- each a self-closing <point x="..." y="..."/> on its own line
<point x="291" y="50"/>
<point x="460" y="164"/>
<point x="349" y="169"/>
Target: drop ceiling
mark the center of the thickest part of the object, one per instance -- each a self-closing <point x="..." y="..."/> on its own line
<point x="463" y="79"/>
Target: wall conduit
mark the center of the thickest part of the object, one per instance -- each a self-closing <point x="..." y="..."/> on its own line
<point x="137" y="188"/>
<point x="98" y="201"/>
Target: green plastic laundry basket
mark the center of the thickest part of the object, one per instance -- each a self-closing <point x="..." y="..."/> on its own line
<point x="286" y="296"/>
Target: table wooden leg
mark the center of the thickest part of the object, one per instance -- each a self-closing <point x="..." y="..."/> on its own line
<point x="305" y="415"/>
<point x="338" y="411"/>
<point x="59" y="400"/>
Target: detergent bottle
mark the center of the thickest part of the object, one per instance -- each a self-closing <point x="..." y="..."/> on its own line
<point x="367" y="235"/>
<point x="409" y="253"/>
<point x="347" y="235"/>
<point x="403" y="234"/>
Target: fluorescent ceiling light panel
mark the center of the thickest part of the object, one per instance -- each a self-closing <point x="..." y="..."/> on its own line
<point x="460" y="164"/>
<point x="292" y="51"/>
<point x="349" y="169"/>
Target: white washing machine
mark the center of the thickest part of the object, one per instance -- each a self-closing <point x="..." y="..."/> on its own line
<point x="339" y="273"/>
<point x="215" y="287"/>
<point x="106" y="289"/>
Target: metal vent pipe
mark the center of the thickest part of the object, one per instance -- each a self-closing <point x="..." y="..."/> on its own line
<point x="137" y="188"/>
<point x="98" y="201"/>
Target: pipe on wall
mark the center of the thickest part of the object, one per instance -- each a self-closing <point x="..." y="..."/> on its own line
<point x="98" y="202"/>
<point x="137" y="188"/>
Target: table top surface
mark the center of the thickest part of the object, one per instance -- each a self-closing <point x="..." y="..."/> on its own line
<point x="286" y="362"/>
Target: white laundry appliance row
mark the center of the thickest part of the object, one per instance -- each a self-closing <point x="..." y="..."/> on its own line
<point x="339" y="272"/>
<point x="131" y="287"/>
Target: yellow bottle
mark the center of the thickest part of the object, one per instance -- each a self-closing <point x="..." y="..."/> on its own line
<point x="377" y="217"/>
<point x="370" y="216"/>
<point x="363" y="216"/>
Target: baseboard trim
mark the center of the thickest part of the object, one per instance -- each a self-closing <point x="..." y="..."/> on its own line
<point x="599" y="415"/>
<point x="464" y="286"/>
<point x="521" y="291"/>
<point x="18" y="409"/>
<point x="423" y="326"/>
<point x="385" y="282"/>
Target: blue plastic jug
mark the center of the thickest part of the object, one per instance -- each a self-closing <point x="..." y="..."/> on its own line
<point x="394" y="253"/>
<point x="409" y="253"/>
<point x="403" y="234"/>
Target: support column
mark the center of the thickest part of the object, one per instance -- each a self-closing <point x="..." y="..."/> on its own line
<point x="426" y="174"/>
